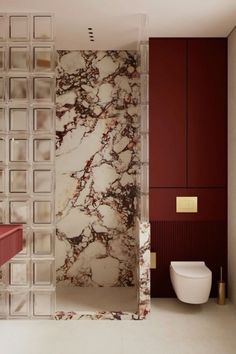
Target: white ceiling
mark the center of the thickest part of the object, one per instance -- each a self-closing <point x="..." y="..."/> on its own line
<point x="116" y="25"/>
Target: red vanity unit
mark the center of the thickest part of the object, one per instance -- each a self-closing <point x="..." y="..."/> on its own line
<point x="11" y="241"/>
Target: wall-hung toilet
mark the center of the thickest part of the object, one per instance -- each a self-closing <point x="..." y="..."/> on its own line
<point x="191" y="281"/>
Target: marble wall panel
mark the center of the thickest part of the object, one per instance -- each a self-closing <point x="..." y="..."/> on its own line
<point x="97" y="162"/>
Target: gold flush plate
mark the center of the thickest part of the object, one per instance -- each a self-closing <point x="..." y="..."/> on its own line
<point x="186" y="204"/>
<point x="153" y="260"/>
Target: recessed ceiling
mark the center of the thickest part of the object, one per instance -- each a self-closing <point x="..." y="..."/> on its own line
<point x="115" y="23"/>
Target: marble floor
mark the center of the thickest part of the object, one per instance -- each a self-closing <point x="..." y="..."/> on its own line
<point x="91" y="299"/>
<point x="173" y="328"/>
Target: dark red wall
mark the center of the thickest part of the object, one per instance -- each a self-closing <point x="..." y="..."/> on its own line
<point x="212" y="204"/>
<point x="188" y="154"/>
<point x="167" y="81"/>
<point x="207" y="112"/>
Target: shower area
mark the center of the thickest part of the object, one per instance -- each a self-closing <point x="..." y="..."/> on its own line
<point x="74" y="171"/>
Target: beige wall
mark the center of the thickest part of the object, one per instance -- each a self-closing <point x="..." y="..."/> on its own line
<point x="232" y="165"/>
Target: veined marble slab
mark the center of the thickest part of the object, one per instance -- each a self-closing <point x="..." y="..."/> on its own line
<point x="97" y="163"/>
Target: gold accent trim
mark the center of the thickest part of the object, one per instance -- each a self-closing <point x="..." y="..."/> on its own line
<point x="186" y="204"/>
<point x="153" y="260"/>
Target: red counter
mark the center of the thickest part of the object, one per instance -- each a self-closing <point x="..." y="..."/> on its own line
<point x="11" y="241"/>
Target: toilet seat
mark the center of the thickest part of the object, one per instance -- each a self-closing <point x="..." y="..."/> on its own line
<point x="191" y="269"/>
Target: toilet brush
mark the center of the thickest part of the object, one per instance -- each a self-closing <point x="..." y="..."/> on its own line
<point x="221" y="289"/>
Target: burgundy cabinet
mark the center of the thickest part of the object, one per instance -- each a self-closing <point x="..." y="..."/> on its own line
<point x="188" y="112"/>
<point x="167" y="94"/>
<point x="207" y="112"/>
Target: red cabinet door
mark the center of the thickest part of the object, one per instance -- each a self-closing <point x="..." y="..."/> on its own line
<point x="167" y="112"/>
<point x="207" y="112"/>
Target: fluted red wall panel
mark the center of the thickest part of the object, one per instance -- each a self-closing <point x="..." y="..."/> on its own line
<point x="207" y="112"/>
<point x="167" y="97"/>
<point x="187" y="241"/>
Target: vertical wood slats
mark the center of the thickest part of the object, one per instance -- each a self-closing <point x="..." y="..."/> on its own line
<point x="187" y="241"/>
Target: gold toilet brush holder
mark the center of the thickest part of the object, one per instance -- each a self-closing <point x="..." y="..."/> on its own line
<point x="221" y="290"/>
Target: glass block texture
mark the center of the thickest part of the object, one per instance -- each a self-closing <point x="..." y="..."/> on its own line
<point x="2" y="58"/>
<point x="19" y="58"/>
<point x="18" y="181"/>
<point x="19" y="304"/>
<point x="42" y="302"/>
<point x="27" y="138"/>
<point x="18" y="89"/>
<point x="18" y="119"/>
<point x="43" y="119"/>
<point x="2" y="119"/>
<point x="18" y="150"/>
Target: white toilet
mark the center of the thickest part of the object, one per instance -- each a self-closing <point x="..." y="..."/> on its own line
<point x="191" y="281"/>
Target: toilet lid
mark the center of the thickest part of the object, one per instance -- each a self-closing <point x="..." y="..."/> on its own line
<point x="191" y="269"/>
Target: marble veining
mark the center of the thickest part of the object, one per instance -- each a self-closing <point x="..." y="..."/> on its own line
<point x="143" y="286"/>
<point x="113" y="315"/>
<point x="144" y="269"/>
<point x="97" y="162"/>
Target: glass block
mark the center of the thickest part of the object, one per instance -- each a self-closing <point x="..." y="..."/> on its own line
<point x="42" y="273"/>
<point x="18" y="88"/>
<point x="18" y="212"/>
<point x="2" y="150"/>
<point x="18" y="118"/>
<point x="144" y="49"/>
<point x="19" y="304"/>
<point x="43" y="58"/>
<point x="144" y="208"/>
<point x="144" y="88"/>
<point x="145" y="178"/>
<point x="18" y="181"/>
<point x="42" y="212"/>
<point x="43" y="119"/>
<point x="2" y="93"/>
<point x="3" y="303"/>
<point x="42" y="150"/>
<point x="144" y="127"/>
<point x="18" y="273"/>
<point x="2" y="119"/>
<point x="144" y="148"/>
<point x="4" y="276"/>
<point x="19" y="58"/>
<point x="43" y="27"/>
<point x="43" y="303"/>
<point x="1" y="212"/>
<point x="1" y="181"/>
<point x="2" y="28"/>
<point x="19" y="27"/>
<point x="43" y="88"/>
<point x="18" y="150"/>
<point x="42" y="182"/>
<point x="25" y="249"/>
<point x="42" y="242"/>
<point x="2" y="58"/>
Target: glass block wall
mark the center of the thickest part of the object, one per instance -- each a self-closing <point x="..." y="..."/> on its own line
<point x="27" y="133"/>
<point x="144" y="118"/>
<point x="143" y="224"/>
